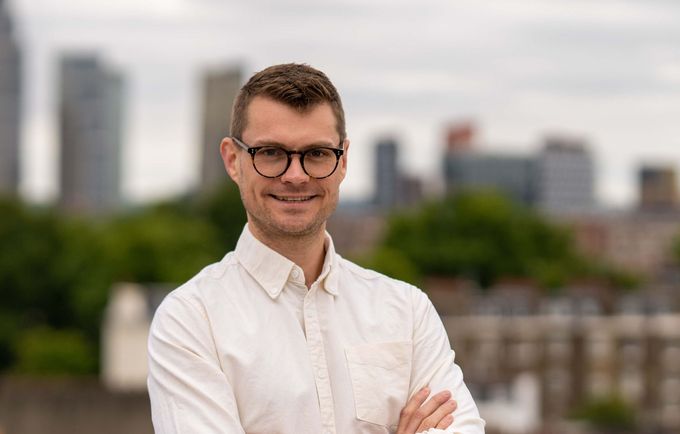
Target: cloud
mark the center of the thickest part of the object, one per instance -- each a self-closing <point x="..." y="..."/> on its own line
<point x="608" y="69"/>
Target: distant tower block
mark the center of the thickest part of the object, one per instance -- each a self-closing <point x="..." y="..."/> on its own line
<point x="10" y="107"/>
<point x="219" y="91"/>
<point x="90" y="114"/>
<point x="466" y="169"/>
<point x="386" y="173"/>
<point x="565" y="178"/>
<point x="460" y="137"/>
<point x="658" y="188"/>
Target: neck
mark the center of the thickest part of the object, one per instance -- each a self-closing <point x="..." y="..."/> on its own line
<point x="306" y="251"/>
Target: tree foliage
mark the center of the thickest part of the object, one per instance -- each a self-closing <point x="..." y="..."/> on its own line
<point x="56" y="270"/>
<point x="159" y="246"/>
<point x="45" y="351"/>
<point x="393" y="263"/>
<point x="485" y="237"/>
<point x="607" y="413"/>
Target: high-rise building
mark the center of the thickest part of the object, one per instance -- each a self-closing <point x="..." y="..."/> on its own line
<point x="559" y="179"/>
<point x="510" y="175"/>
<point x="466" y="169"/>
<point x="219" y="91"/>
<point x="386" y="173"/>
<point x="460" y="137"/>
<point x="565" y="176"/>
<point x="658" y="188"/>
<point x="90" y="113"/>
<point x="10" y="104"/>
<point x="393" y="188"/>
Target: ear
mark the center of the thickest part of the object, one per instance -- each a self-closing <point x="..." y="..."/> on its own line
<point x="230" y="158"/>
<point x="342" y="165"/>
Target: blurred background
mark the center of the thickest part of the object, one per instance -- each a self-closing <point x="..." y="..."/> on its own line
<point x="516" y="160"/>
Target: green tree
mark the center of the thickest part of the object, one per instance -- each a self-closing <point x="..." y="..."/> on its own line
<point x="485" y="237"/>
<point x="608" y="414"/>
<point x="52" y="274"/>
<point x="56" y="271"/>
<point x="28" y="238"/>
<point x="393" y="263"/>
<point x="223" y="210"/>
<point x="158" y="245"/>
<point x="45" y="351"/>
<point x="9" y="330"/>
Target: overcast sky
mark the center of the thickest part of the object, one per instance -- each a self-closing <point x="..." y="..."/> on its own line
<point x="607" y="71"/>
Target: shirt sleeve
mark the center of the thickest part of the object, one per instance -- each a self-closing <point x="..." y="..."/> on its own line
<point x="188" y="391"/>
<point x="434" y="366"/>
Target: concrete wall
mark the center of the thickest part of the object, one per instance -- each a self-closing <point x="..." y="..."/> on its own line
<point x="67" y="406"/>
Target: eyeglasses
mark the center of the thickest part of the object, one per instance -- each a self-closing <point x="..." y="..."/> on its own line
<point x="273" y="161"/>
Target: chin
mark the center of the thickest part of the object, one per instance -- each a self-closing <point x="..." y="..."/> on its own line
<point x="299" y="229"/>
<point x="295" y="227"/>
<point x="288" y="225"/>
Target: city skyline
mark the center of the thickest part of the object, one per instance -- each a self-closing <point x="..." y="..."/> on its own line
<point x="10" y="104"/>
<point x="607" y="72"/>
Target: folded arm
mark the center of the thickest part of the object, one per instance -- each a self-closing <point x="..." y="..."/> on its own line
<point x="434" y="366"/>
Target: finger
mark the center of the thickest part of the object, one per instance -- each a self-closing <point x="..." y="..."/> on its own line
<point x="426" y="410"/>
<point x="444" y="410"/>
<point x="411" y="407"/>
<point x="440" y="412"/>
<point x="445" y="422"/>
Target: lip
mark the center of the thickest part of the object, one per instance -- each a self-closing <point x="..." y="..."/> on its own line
<point x="293" y="199"/>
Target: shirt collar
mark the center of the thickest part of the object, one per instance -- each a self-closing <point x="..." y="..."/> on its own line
<point x="272" y="270"/>
<point x="329" y="272"/>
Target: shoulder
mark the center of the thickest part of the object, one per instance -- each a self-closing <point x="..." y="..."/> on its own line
<point x="362" y="277"/>
<point x="192" y="297"/>
<point x="350" y="268"/>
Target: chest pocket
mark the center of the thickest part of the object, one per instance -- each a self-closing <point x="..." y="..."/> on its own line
<point x="380" y="376"/>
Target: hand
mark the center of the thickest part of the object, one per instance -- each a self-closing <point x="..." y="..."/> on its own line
<point x="416" y="417"/>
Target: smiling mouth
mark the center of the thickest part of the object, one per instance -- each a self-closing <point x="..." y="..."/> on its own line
<point x="292" y="198"/>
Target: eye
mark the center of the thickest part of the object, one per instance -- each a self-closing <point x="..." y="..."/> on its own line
<point x="319" y="153"/>
<point x="271" y="152"/>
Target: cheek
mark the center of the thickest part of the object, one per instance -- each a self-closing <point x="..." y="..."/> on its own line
<point x="332" y="191"/>
<point x="255" y="187"/>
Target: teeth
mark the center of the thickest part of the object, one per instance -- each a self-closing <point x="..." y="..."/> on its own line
<point x="293" y="199"/>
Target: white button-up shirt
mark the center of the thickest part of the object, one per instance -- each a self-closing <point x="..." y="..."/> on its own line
<point x="246" y="347"/>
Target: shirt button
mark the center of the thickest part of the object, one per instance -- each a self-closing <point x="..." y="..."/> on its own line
<point x="295" y="274"/>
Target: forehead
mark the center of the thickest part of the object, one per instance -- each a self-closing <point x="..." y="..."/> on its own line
<point x="270" y="120"/>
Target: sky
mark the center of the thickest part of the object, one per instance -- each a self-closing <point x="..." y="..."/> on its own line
<point x="606" y="71"/>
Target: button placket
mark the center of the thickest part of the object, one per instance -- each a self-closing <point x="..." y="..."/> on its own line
<point x="318" y="359"/>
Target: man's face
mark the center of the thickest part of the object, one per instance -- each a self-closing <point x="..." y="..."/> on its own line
<point x="292" y="204"/>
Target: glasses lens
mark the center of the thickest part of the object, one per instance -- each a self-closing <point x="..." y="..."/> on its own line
<point x="270" y="161"/>
<point x="320" y="162"/>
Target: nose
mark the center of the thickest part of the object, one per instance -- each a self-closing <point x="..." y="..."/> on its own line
<point x="295" y="174"/>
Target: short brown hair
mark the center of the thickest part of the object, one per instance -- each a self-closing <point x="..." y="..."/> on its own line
<point x="298" y="85"/>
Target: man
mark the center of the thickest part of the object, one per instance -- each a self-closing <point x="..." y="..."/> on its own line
<point x="283" y="335"/>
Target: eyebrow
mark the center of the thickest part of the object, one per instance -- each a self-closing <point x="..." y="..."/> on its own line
<point x="305" y="147"/>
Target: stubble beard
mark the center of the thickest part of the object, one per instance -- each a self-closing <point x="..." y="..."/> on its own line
<point x="268" y="226"/>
